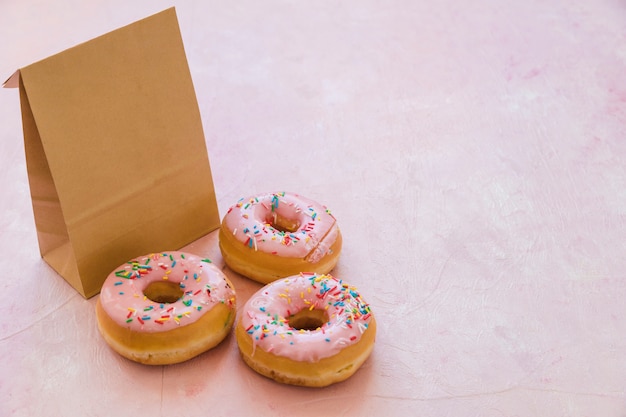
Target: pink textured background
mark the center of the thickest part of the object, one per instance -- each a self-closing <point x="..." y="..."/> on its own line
<point x="474" y="154"/>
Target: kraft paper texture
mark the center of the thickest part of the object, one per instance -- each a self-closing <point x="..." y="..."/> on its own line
<point x="115" y="150"/>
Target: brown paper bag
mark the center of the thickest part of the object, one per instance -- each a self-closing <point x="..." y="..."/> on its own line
<point x="115" y="150"/>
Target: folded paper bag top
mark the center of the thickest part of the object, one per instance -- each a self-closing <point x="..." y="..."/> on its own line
<point x="115" y="151"/>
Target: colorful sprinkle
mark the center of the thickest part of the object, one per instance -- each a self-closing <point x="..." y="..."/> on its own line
<point x="176" y="267"/>
<point x="348" y="314"/>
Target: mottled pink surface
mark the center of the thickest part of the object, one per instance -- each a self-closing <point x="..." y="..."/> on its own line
<point x="474" y="154"/>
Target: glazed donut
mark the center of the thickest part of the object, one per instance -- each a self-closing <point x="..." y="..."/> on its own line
<point x="165" y="308"/>
<point x="276" y="235"/>
<point x="309" y="329"/>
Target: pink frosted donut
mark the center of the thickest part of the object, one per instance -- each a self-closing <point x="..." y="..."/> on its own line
<point x="276" y="235"/>
<point x="309" y="329"/>
<point x="165" y="308"/>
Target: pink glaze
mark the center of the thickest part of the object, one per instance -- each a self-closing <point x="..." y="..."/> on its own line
<point x="265" y="317"/>
<point x="203" y="284"/>
<point x="249" y="220"/>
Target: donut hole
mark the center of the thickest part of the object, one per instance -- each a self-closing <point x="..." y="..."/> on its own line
<point x="283" y="223"/>
<point x="308" y="319"/>
<point x="163" y="292"/>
